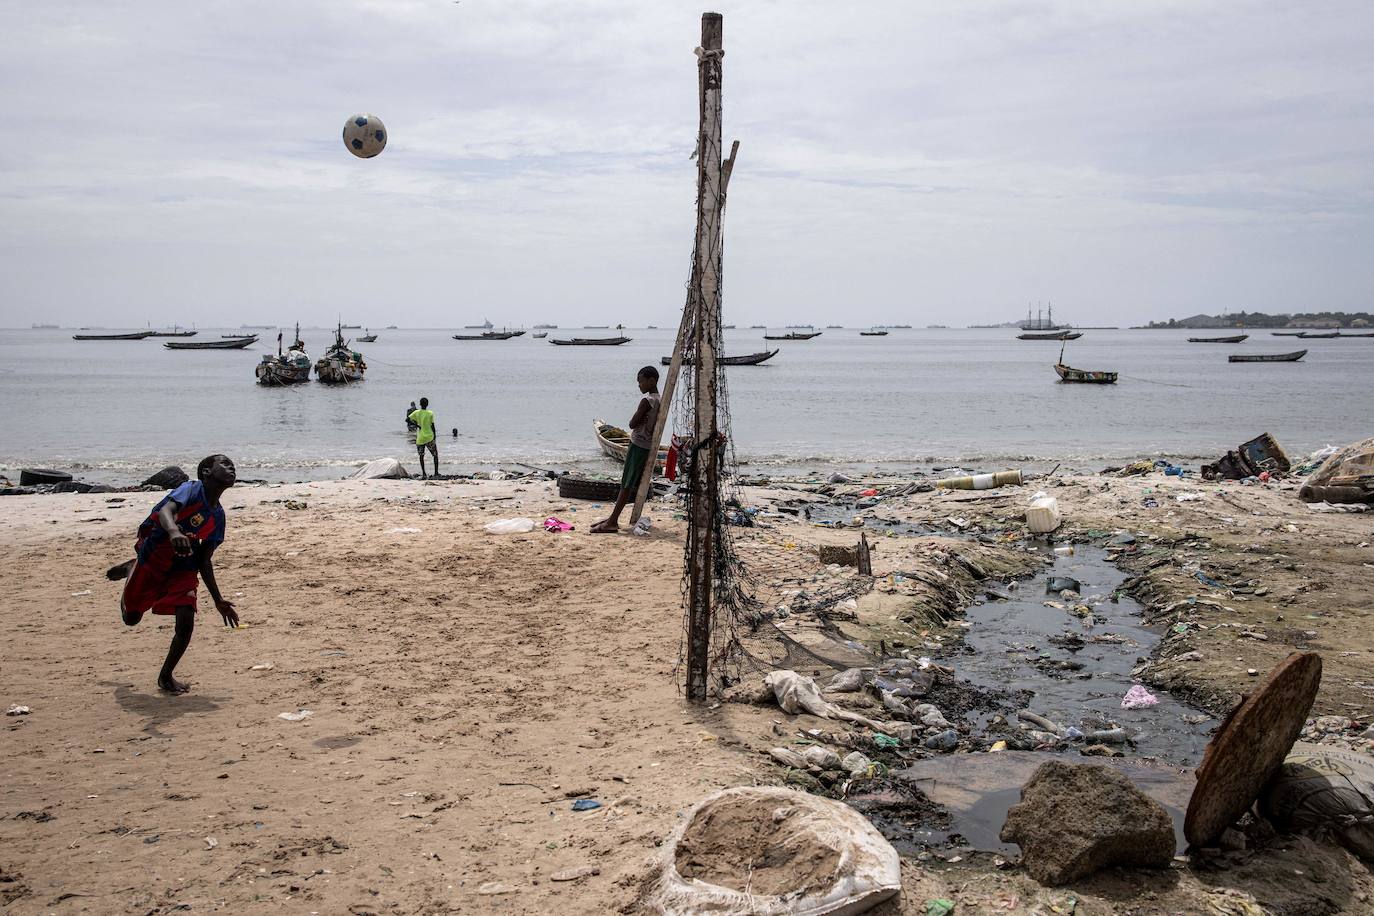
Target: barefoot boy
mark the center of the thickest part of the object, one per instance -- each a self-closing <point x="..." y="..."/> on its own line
<point x="424" y="435"/>
<point x="174" y="547"/>
<point x="641" y="443"/>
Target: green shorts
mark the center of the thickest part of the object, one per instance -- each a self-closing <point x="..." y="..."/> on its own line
<point x="635" y="459"/>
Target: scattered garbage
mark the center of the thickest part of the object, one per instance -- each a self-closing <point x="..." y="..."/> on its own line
<point x="510" y="526"/>
<point x="265" y="666"/>
<point x="1346" y="476"/>
<point x="1112" y="823"/>
<point x="297" y="716"/>
<point x="1057" y="584"/>
<point x="575" y="874"/>
<point x="1260" y="454"/>
<point x="856" y="764"/>
<point x="586" y="804"/>
<point x="847" y="681"/>
<point x="296" y="505"/>
<point x="1064" y="550"/>
<point x="404" y="531"/>
<point x="939" y="906"/>
<point x="1042" y="514"/>
<point x="1138" y="698"/>
<point x="18" y="711"/>
<point x="643" y="526"/>
<point x="1320" y="787"/>
<point x="981" y="481"/>
<point x="946" y="740"/>
<point x="555" y="524"/>
<point x="81" y="594"/>
<point x="381" y="469"/>
<point x="773" y="851"/>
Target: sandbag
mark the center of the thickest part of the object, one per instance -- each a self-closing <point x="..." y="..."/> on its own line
<point x="1345" y="477"/>
<point x="381" y="469"/>
<point x="795" y="693"/>
<point x="1324" y="787"/>
<point x="765" y="851"/>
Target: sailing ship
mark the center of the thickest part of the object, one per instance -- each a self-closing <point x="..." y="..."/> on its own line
<point x="1038" y="323"/>
<point x="340" y="364"/>
<point x="289" y="368"/>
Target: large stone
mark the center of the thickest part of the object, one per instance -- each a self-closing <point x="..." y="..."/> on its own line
<point x="169" y="478"/>
<point x="1074" y="820"/>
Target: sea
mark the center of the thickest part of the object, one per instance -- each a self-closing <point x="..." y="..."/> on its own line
<point x="919" y="399"/>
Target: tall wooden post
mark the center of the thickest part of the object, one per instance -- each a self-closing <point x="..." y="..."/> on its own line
<point x="704" y="477"/>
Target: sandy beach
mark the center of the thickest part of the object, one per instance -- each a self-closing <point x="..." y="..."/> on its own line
<point x="465" y="689"/>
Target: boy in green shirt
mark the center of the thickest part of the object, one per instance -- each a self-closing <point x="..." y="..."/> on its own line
<point x="424" y="435"/>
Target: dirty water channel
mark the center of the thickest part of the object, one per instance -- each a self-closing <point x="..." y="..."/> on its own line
<point x="1074" y="661"/>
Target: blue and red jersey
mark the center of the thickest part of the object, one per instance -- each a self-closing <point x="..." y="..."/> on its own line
<point x="196" y="518"/>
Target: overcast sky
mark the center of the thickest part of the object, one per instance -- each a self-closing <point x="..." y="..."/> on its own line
<point x="900" y="162"/>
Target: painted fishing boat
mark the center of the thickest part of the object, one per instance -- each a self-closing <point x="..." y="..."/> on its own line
<point x="873" y="332"/>
<point x="1332" y="335"/>
<point x="236" y="336"/>
<point x="615" y="443"/>
<point x="1084" y="376"/>
<point x="753" y="359"/>
<point x="341" y="364"/>
<point x="1053" y="335"/>
<point x="795" y="335"/>
<point x="1267" y="357"/>
<point x="590" y="341"/>
<point x="137" y="335"/>
<point x="1237" y="338"/>
<point x="289" y="368"/>
<point x="489" y="335"/>
<point x="233" y="343"/>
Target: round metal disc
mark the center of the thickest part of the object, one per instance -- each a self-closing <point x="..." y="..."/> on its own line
<point x="1249" y="747"/>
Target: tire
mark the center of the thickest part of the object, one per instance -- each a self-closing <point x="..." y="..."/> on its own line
<point x="583" y="488"/>
<point x="29" y="477"/>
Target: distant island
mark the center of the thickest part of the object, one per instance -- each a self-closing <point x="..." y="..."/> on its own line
<point x="1263" y="320"/>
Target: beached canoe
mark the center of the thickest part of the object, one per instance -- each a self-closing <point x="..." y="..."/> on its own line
<point x="234" y="343"/>
<point x="1085" y="376"/>
<point x="1237" y="338"/>
<point x="1267" y="357"/>
<point x="753" y="359"/>
<point x="615" y="443"/>
<point x="590" y="341"/>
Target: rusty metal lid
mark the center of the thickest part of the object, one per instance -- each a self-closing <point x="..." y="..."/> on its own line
<point x="1250" y="745"/>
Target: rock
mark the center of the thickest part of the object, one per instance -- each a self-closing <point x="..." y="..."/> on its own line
<point x="169" y="478"/>
<point x="575" y="874"/>
<point x="1074" y="820"/>
<point x="1232" y="840"/>
<point x="73" y="486"/>
<point x="1100" y="750"/>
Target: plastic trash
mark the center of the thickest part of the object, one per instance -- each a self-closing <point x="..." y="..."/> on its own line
<point x="18" y="711"/>
<point x="1108" y="736"/>
<point x="1042" y="514"/>
<point x="946" y="740"/>
<point x="381" y="469"/>
<point x="510" y="526"/>
<point x="1065" y="550"/>
<point x="553" y="523"/>
<point x="1058" y="584"/>
<point x="856" y="764"/>
<point x="404" y="531"/>
<point x="847" y="681"/>
<point x="869" y="492"/>
<point x="774" y="852"/>
<point x="1138" y="698"/>
<point x="297" y="716"/>
<point x="822" y="757"/>
<point x="885" y="741"/>
<point x="1073" y="733"/>
<point x="642" y="526"/>
<point x="1322" y="786"/>
<point x="981" y="481"/>
<point x="586" y="804"/>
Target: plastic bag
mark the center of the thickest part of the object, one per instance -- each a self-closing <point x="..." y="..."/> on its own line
<point x="510" y="526"/>
<point x="1138" y="698"/>
<point x="554" y="523"/>
<point x="796" y="693"/>
<point x="785" y="852"/>
<point x="1321" y="786"/>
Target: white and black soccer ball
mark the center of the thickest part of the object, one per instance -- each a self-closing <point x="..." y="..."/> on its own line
<point x="364" y="135"/>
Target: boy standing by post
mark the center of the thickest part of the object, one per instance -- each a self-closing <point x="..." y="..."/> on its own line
<point x="174" y="549"/>
<point x="641" y="444"/>
<point x="424" y="435"/>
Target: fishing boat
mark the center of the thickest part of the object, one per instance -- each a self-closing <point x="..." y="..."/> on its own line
<point x="615" y="443"/>
<point x="834" y="327"/>
<point x="1237" y="338"/>
<point x="539" y="335"/>
<point x="236" y="336"/>
<point x="1370" y="334"/>
<point x="590" y="341"/>
<point x="753" y="359"/>
<point x="369" y="337"/>
<point x="794" y="335"/>
<point x="1053" y="335"/>
<point x="137" y="335"/>
<point x="489" y="335"/>
<point x="176" y="331"/>
<point x="1267" y="357"/>
<point x="1085" y="376"/>
<point x="1332" y="335"/>
<point x="233" y="343"/>
<point x="341" y="364"/>
<point x="289" y="368"/>
<point x="1287" y="333"/>
<point x="873" y="332"/>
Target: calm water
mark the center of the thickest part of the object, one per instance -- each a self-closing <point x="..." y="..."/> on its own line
<point x="979" y="398"/>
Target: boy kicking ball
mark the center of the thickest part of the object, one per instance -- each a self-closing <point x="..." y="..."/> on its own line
<point x="173" y="552"/>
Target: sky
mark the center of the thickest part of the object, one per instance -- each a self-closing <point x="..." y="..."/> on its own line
<point x="900" y="162"/>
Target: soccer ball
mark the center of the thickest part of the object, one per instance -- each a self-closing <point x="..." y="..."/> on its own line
<point x="364" y="135"/>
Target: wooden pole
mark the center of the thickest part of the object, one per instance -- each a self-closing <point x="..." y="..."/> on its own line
<point x="704" y="468"/>
<point x="675" y="365"/>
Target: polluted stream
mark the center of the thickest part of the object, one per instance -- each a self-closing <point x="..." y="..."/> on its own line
<point x="1064" y="655"/>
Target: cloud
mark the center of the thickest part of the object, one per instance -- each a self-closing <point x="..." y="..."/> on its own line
<point x="899" y="162"/>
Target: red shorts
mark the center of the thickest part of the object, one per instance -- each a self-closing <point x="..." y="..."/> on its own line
<point x="155" y="586"/>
